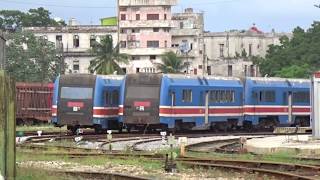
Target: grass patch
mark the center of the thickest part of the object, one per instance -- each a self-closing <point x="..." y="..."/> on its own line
<point x="44" y="128"/>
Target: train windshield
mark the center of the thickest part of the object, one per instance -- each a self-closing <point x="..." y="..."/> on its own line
<point x="141" y="92"/>
<point x="76" y="93"/>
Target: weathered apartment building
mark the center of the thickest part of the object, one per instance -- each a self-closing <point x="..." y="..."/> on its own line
<point x="144" y="28"/>
<point x="225" y="50"/>
<point x="74" y="42"/>
<point x="2" y="50"/>
<point x="147" y="29"/>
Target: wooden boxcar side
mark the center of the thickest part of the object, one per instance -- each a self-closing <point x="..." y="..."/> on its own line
<point x="33" y="102"/>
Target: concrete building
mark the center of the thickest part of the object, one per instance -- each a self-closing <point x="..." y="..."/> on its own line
<point x="188" y="39"/>
<point x="2" y="50"/>
<point x="144" y="32"/>
<point x="74" y="41"/>
<point x="225" y="50"/>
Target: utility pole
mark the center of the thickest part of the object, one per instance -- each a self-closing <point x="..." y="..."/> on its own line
<point x="2" y="50"/>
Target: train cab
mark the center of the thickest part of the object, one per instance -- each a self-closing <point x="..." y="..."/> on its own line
<point x="140" y="99"/>
<point x="86" y="101"/>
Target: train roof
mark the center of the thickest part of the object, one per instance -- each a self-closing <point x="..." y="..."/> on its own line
<point x="190" y="80"/>
<point x="111" y="80"/>
<point x="279" y="82"/>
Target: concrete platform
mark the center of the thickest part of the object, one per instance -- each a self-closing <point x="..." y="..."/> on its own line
<point x="298" y="144"/>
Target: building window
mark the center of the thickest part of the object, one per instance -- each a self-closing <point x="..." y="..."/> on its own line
<point x="107" y="97"/>
<point x="155" y="29"/>
<point x="199" y="66"/>
<point x="135" y="30"/>
<point x="76" y="65"/>
<point x="123" y="31"/>
<point x="124" y="70"/>
<point x="92" y="40"/>
<point x="267" y="96"/>
<point x="152" y="16"/>
<point x="152" y="44"/>
<point x="153" y="57"/>
<point x="137" y="17"/>
<point x="222" y="96"/>
<point x="187" y="95"/>
<point x="76" y="41"/>
<point x="209" y="70"/>
<point x="166" y="29"/>
<point x="301" y="97"/>
<point x="137" y="70"/>
<point x="221" y="50"/>
<point x="135" y="57"/>
<point x="181" y="25"/>
<point x="229" y="70"/>
<point x="252" y="71"/>
<point x="165" y="44"/>
<point x="123" y="17"/>
<point x="165" y="16"/>
<point x="250" y="49"/>
<point x="58" y="41"/>
<point x="123" y="44"/>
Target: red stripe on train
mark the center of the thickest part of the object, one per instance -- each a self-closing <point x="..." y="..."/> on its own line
<point x="106" y="111"/>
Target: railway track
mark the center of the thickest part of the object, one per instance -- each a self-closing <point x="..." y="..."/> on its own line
<point x="282" y="170"/>
<point x="99" y="175"/>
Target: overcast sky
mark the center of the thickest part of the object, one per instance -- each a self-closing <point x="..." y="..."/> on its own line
<point x="220" y="15"/>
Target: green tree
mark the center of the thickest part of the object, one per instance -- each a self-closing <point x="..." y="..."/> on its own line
<point x="107" y="57"/>
<point x="39" y="17"/>
<point x="171" y="63"/>
<point x="297" y="57"/>
<point x="31" y="59"/>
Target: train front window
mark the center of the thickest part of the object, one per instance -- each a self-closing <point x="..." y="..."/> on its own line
<point x="143" y="92"/>
<point x="76" y="93"/>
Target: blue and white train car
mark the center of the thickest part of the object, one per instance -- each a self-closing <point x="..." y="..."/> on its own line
<point x="193" y="101"/>
<point x="271" y="101"/>
<point x="88" y="101"/>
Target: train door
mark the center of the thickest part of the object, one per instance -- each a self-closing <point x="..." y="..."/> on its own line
<point x="290" y="107"/>
<point x="206" y="117"/>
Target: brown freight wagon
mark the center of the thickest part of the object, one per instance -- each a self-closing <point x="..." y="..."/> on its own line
<point x="34" y="101"/>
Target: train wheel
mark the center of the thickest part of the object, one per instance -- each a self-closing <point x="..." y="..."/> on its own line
<point x="98" y="129"/>
<point x="129" y="129"/>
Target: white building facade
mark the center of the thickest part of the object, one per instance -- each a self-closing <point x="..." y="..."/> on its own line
<point x="74" y="43"/>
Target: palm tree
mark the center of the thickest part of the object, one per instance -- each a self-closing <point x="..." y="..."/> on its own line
<point x="107" y="57"/>
<point x="171" y="63"/>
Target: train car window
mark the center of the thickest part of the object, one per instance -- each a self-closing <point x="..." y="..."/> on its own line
<point x="222" y="96"/>
<point x="115" y="97"/>
<point x="76" y="93"/>
<point x="187" y="95"/>
<point x="301" y="97"/>
<point x="267" y="96"/>
<point x="108" y="97"/>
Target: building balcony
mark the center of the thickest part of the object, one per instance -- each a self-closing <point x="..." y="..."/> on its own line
<point x="146" y="24"/>
<point x="148" y="3"/>
<point x="144" y="51"/>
